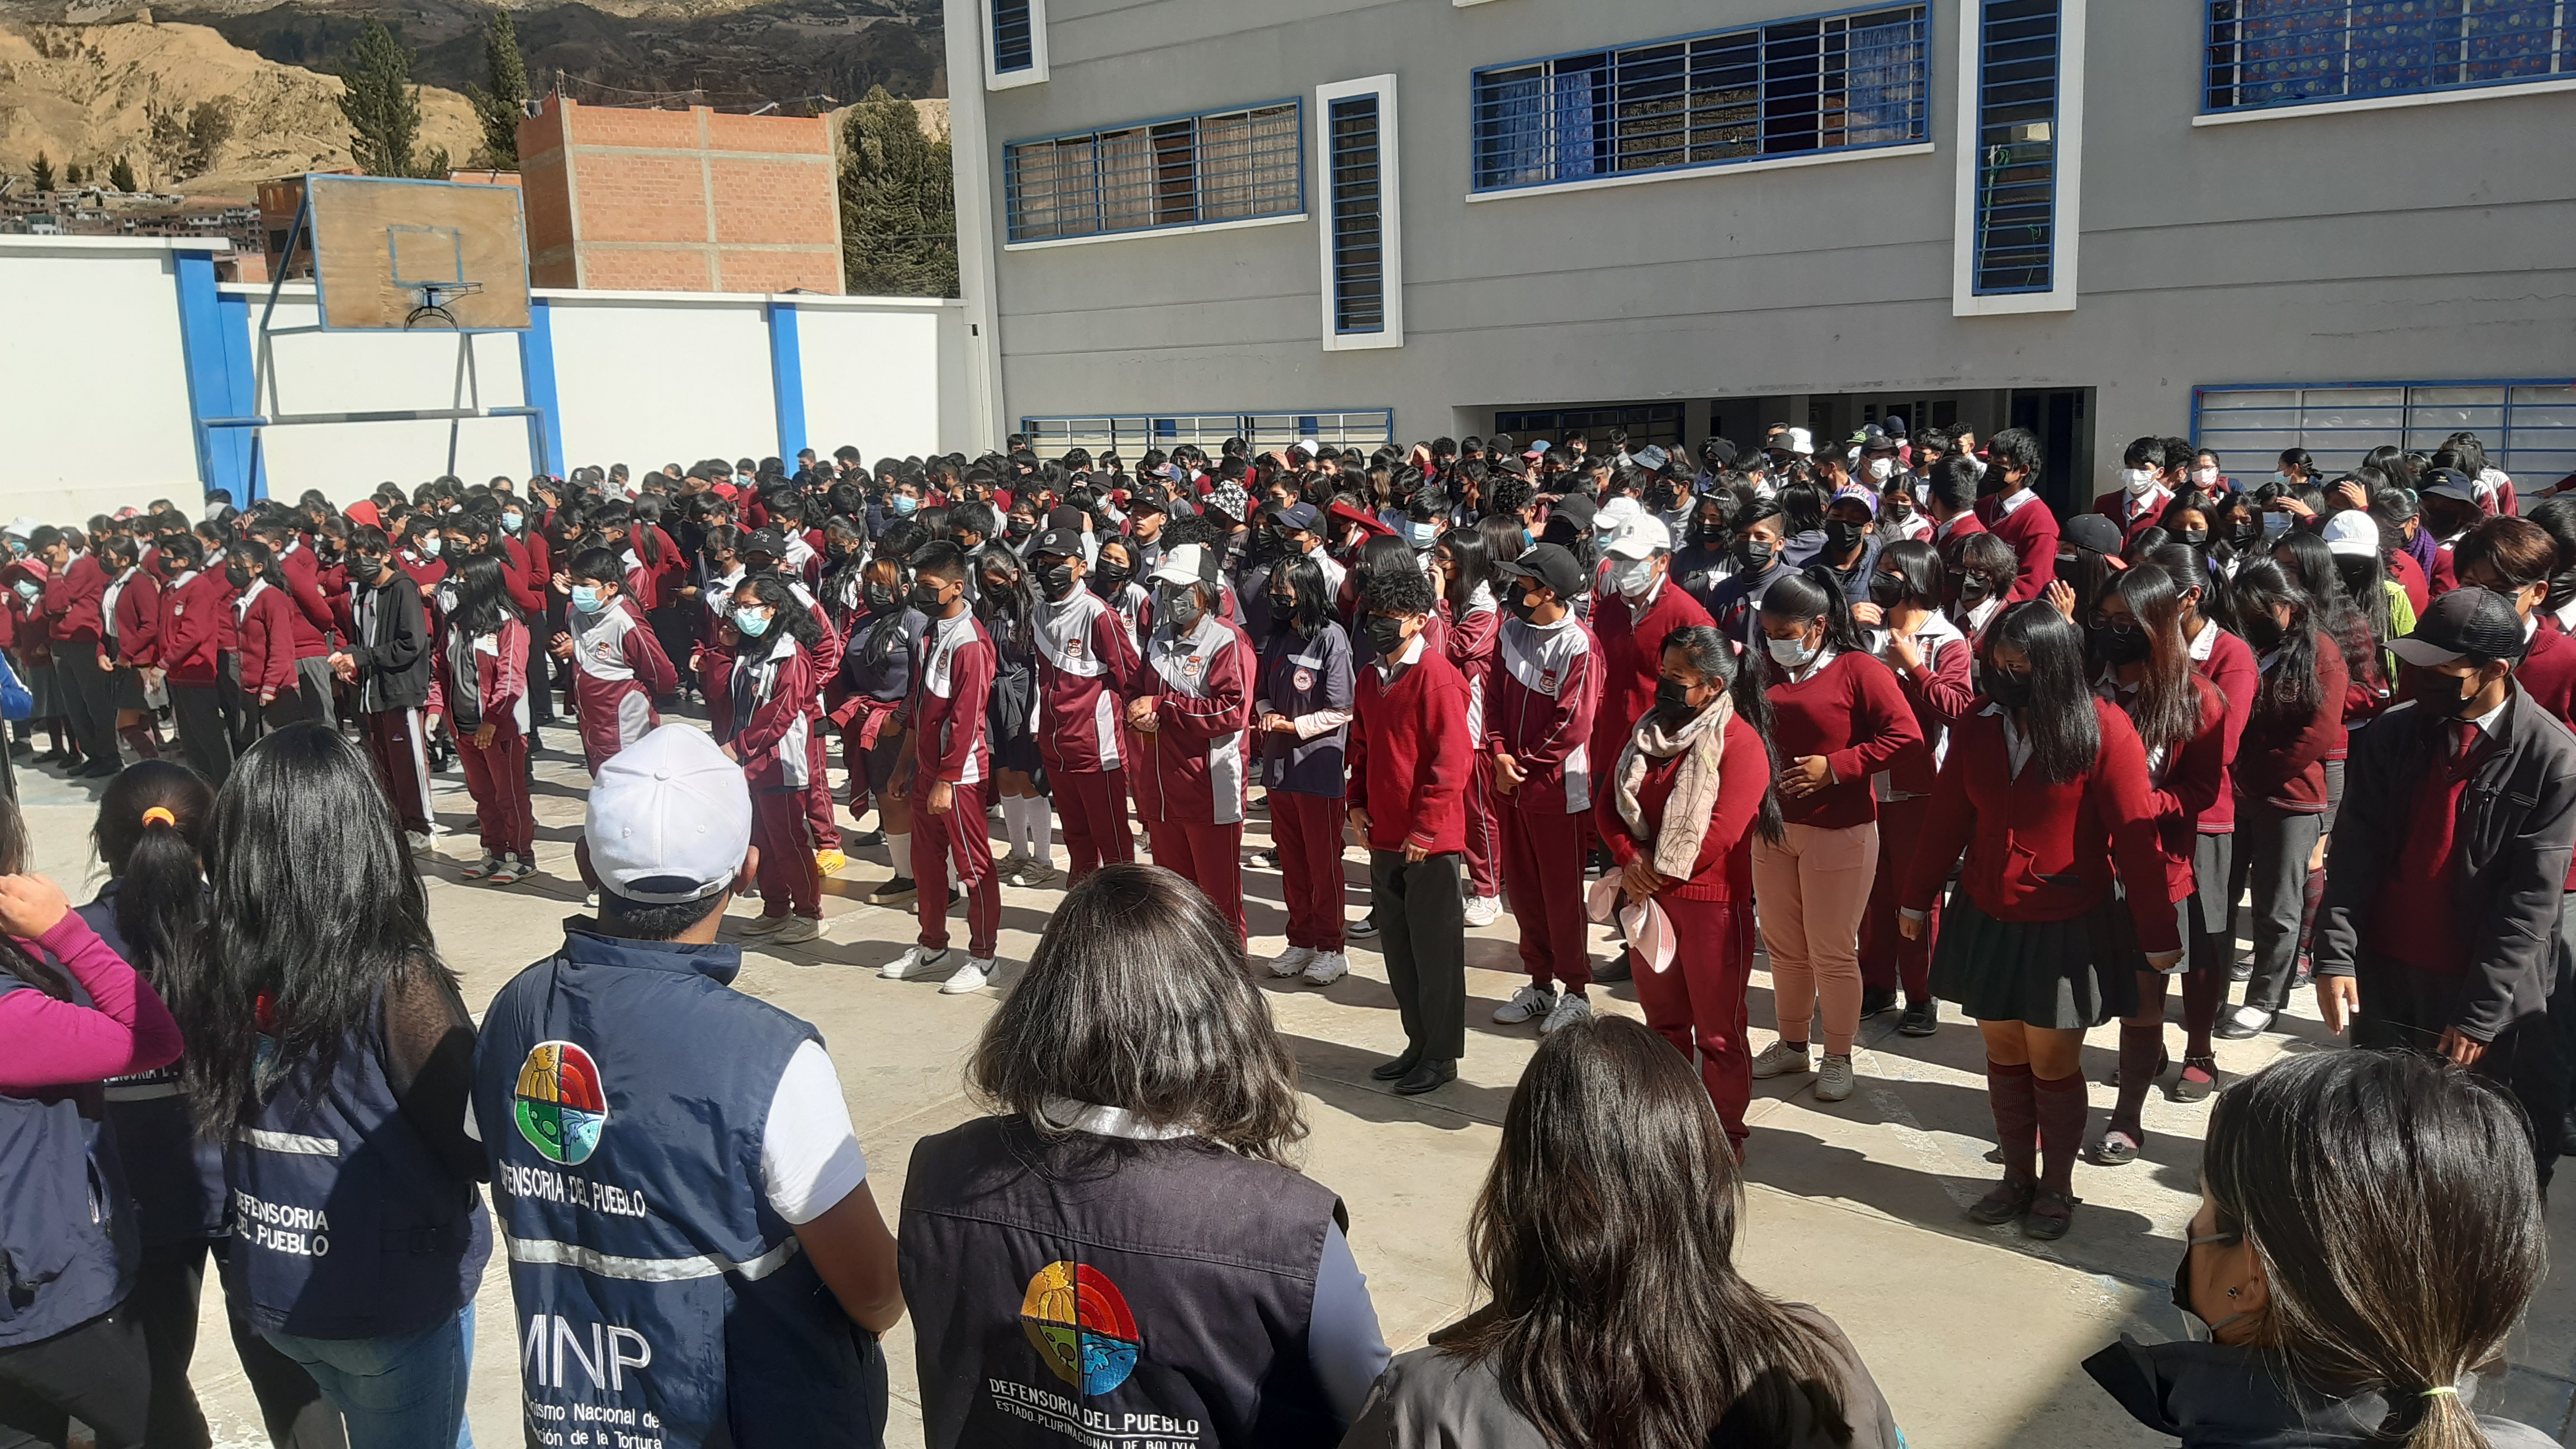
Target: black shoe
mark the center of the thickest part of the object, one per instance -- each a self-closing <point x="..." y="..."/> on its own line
<point x="98" y="770"/>
<point x="1426" y="1077"/>
<point x="2567" y="1136"/>
<point x="1921" y="1018"/>
<point x="20" y="749"/>
<point x="1400" y="1067"/>
<point x="863" y="839"/>
<point x="49" y="757"/>
<point x="2238" y="1026"/>
<point x="1875" y="999"/>
<point x="1613" y="970"/>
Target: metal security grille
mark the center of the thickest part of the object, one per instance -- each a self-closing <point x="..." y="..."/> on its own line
<point x="1359" y="252"/>
<point x="1013" y="48"/>
<point x="1185" y="171"/>
<point x="1657" y="423"/>
<point x="2290" y="52"/>
<point x="2017" y="146"/>
<point x="2527" y="425"/>
<point x="1130" y="436"/>
<point x="1820" y="83"/>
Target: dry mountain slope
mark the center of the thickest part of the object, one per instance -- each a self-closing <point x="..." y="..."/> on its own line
<point x="79" y="94"/>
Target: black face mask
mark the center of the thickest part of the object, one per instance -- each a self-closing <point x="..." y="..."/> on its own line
<point x="2120" y="643"/>
<point x="2195" y="537"/>
<point x="237" y="576"/>
<point x="2264" y="632"/>
<point x="1184" y="612"/>
<point x="1842" y="535"/>
<point x="1886" y="590"/>
<point x="1385" y="635"/>
<point x="1974" y="589"/>
<point x="1058" y="581"/>
<point x="1020" y="528"/>
<point x="925" y="597"/>
<point x="1520" y="605"/>
<point x="1109" y="578"/>
<point x="1754" y="554"/>
<point x="2247" y="535"/>
<point x="2008" y="689"/>
<point x="880" y="599"/>
<point x="1710" y="535"/>
<point x="1672" y="703"/>
<point x="1282" y="605"/>
<point x="2449" y="706"/>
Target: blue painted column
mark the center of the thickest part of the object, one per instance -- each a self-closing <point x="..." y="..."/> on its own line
<point x="214" y="339"/>
<point x="537" y="375"/>
<point x="787" y="379"/>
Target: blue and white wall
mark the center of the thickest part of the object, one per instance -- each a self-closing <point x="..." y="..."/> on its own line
<point x="124" y="351"/>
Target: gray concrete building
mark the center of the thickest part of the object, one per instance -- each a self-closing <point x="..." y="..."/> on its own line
<point x="2331" y="223"/>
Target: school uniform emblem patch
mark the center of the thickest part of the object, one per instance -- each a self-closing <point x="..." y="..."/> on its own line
<point x="1304" y="679"/>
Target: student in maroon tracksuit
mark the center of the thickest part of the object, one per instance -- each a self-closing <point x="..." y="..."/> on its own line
<point x="2014" y="513"/>
<point x="1547" y="688"/>
<point x="1086" y="661"/>
<point x="773" y="683"/>
<point x="618" y="663"/>
<point x="483" y="695"/>
<point x="1636" y="607"/>
<point x="764" y="552"/>
<point x="1929" y="656"/>
<point x="1409" y="759"/>
<point x="950" y="767"/>
<point x="264" y="618"/>
<point x="1191" y="709"/>
<point x="1468" y="620"/>
<point x="1302" y="715"/>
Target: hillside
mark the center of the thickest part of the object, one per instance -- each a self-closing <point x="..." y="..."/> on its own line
<point x="80" y="94"/>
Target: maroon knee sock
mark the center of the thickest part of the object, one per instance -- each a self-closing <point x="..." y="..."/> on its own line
<point x="2203" y="993"/>
<point x="2008" y="1089"/>
<point x="140" y="737"/>
<point x="2142" y="1049"/>
<point x="2061" y="1110"/>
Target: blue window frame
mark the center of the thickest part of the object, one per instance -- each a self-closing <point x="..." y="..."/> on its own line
<point x="1221" y="166"/>
<point x="1132" y="434"/>
<point x="1014" y="37"/>
<point x="1843" y="81"/>
<point x="2016" y="156"/>
<point x="2527" y="425"/>
<point x="1359" y="221"/>
<point x="2296" y="52"/>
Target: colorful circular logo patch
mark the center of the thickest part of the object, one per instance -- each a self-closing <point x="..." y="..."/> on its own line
<point x="560" y="1106"/>
<point x="1079" y="1323"/>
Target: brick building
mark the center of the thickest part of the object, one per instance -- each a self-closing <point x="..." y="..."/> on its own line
<point x="679" y="201"/>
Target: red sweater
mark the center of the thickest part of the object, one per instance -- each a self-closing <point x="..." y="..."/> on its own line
<point x="138" y="620"/>
<point x="2180" y="793"/>
<point x="193" y="616"/>
<point x="2281" y="762"/>
<point x="1410" y="757"/>
<point x="2032" y="531"/>
<point x="266" y="624"/>
<point x="2230" y="666"/>
<point x="2409" y="575"/>
<point x="1724" y="870"/>
<point x="1937" y="701"/>
<point x="1632" y="659"/>
<point x="314" y="617"/>
<point x="2037" y="850"/>
<point x="1851" y="712"/>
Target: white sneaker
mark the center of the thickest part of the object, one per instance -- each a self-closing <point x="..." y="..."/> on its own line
<point x="973" y="976"/>
<point x="506" y="871"/>
<point x="914" y="964"/>
<point x="1568" y="1010"/>
<point x="764" y="925"/>
<point x="419" y="841"/>
<point x="798" y="928"/>
<point x="1327" y="968"/>
<point x="1527" y="1002"/>
<point x="481" y="868"/>
<point x="1780" y="1058"/>
<point x="1292" y="960"/>
<point x="1834" y="1079"/>
<point x="1484" y="910"/>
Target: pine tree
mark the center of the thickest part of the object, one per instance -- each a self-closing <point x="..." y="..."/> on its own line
<point x="72" y="175"/>
<point x="210" y="125"/>
<point x="500" y="108"/>
<point x="381" y="104"/>
<point x="898" y="205"/>
<point x="43" y="171"/>
<point x="121" y="175"/>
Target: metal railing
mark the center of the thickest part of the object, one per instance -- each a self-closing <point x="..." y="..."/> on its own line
<point x="1359" y="252"/>
<point x="1179" y="171"/>
<point x="2527" y="425"/>
<point x="1129" y="435"/>
<point x="2296" y="52"/>
<point x="2017" y="69"/>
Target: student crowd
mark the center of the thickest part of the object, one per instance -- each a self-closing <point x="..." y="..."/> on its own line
<point x="1948" y="745"/>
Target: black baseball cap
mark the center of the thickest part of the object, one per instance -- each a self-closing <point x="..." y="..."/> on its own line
<point x="2448" y="483"/>
<point x="2093" y="531"/>
<point x="1058" y="543"/>
<point x="1549" y="564"/>
<point x="1577" y="511"/>
<point x="2466" y="623"/>
<point x="766" y="541"/>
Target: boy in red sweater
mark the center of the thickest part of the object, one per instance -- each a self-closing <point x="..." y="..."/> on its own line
<point x="2015" y="514"/>
<point x="950" y="769"/>
<point x="1410" y="755"/>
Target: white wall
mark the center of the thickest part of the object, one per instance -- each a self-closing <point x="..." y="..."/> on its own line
<point x="662" y="378"/>
<point x="93" y="382"/>
<point x="871" y="375"/>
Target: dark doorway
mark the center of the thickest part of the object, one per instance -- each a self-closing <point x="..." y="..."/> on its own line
<point x="2062" y="418"/>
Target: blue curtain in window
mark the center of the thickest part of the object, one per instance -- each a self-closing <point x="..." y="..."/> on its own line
<point x="1882" y="79"/>
<point x="2508" y="39"/>
<point x="2289" y="50"/>
<point x="2404" y="45"/>
<point x="1512" y="146"/>
<point x="1572" y="124"/>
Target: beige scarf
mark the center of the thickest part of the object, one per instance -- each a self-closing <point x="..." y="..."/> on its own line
<point x="1694" y="794"/>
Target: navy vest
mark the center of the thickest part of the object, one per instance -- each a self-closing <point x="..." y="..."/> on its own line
<point x="346" y="1224"/>
<point x="68" y="1249"/>
<point x="622" y="1089"/>
<point x="177" y="1175"/>
<point x="1152" y="1295"/>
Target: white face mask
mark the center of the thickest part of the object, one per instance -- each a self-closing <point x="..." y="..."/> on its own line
<point x="2204" y="477"/>
<point x="2138" y="481"/>
<point x="1791" y="653"/>
<point x="1632" y="576"/>
<point x="1881" y="469"/>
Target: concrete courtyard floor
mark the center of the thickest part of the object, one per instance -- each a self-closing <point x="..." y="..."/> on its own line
<point x="1974" y="1334"/>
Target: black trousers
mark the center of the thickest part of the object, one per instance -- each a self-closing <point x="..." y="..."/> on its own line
<point x="88" y="702"/>
<point x="241" y="711"/>
<point x="2406" y="1008"/>
<point x="164" y="1303"/>
<point x="98" y="1373"/>
<point x="1422" y="928"/>
<point x="313" y="681"/>
<point x="205" y="735"/>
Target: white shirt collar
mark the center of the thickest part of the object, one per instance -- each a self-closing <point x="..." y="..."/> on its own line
<point x="2486" y="723"/>
<point x="2204" y="643"/>
<point x="2007" y="503"/>
<point x="1824" y="656"/>
<point x="1406" y="660"/>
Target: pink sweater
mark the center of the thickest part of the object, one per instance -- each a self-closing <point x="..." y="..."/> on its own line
<point x="57" y="1043"/>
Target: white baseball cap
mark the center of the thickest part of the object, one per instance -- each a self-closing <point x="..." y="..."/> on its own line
<point x="1181" y="565"/>
<point x="1800" y="441"/>
<point x="1641" y="538"/>
<point x="669" y="819"/>
<point x="2352" y="534"/>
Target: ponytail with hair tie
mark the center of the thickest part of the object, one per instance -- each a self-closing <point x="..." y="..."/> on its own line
<point x="160" y="815"/>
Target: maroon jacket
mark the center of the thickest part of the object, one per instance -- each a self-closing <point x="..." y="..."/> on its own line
<point x="2032" y="531"/>
<point x="1408" y="754"/>
<point x="195" y="611"/>
<point x="1632" y="658"/>
<point x="265" y="620"/>
<point x="305" y="588"/>
<point x="138" y="620"/>
<point x="72" y="596"/>
<point x="2281" y="762"/>
<point x="1194" y="764"/>
<point x="2230" y="666"/>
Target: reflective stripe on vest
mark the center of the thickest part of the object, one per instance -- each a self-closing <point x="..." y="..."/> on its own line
<point x="294" y="1142"/>
<point x="646" y="1270"/>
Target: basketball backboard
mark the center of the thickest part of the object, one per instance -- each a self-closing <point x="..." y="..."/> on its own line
<point x="390" y="254"/>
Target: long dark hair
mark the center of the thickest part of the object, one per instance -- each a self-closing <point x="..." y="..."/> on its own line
<point x="1475" y="567"/>
<point x="482" y="597"/>
<point x="1136" y="999"/>
<point x="2289" y="689"/>
<point x="1814" y="591"/>
<point x="1604" y="1238"/>
<point x="1713" y="655"/>
<point x="1009" y="613"/>
<point x="1314" y="602"/>
<point x="2391" y="1202"/>
<point x="2065" y="733"/>
<point x="2166" y="708"/>
<point x="316" y="906"/>
<point x="788" y="615"/>
<point x="159" y="866"/>
<point x="2340" y="616"/>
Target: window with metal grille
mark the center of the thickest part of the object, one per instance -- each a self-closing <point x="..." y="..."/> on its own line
<point x="1014" y="46"/>
<point x="1186" y="171"/>
<point x="2016" y="157"/>
<point x="1657" y="423"/>
<point x="2527" y="425"/>
<point x="2297" y="52"/>
<point x="1791" y="87"/>
<point x="1130" y="435"/>
<point x="1359" y="254"/>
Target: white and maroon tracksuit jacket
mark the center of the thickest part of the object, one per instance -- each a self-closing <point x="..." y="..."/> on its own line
<point x="1086" y="660"/>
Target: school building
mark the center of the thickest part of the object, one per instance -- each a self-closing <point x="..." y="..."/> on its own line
<point x="2330" y="223"/>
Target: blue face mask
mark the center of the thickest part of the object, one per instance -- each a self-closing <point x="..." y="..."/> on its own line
<point x="430" y="546"/>
<point x="904" y="504"/>
<point x="1426" y="533"/>
<point x="513" y="522"/>
<point x="752" y="625"/>
<point x="585" y="597"/>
